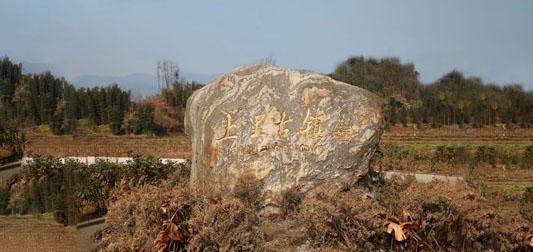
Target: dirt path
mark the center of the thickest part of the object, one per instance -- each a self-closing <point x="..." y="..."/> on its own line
<point x="29" y="233"/>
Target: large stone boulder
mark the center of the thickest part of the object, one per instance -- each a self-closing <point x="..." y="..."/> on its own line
<point x="286" y="127"/>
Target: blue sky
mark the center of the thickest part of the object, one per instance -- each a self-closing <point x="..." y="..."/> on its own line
<point x="489" y="39"/>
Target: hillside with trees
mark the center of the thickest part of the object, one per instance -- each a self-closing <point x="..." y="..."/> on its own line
<point x="491" y="211"/>
<point x="451" y="100"/>
<point x="44" y="99"/>
<point x="34" y="101"/>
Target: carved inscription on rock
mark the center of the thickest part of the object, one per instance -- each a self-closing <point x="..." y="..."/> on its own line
<point x="309" y="128"/>
<point x="343" y="132"/>
<point x="285" y="126"/>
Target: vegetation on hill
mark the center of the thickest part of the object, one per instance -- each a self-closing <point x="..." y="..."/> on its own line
<point x="451" y="100"/>
<point x="43" y="99"/>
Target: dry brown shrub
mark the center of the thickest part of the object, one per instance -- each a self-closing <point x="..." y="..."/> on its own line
<point x="452" y="216"/>
<point x="249" y="189"/>
<point x="220" y="221"/>
<point x="225" y="224"/>
<point x="290" y="201"/>
<point x="134" y="218"/>
<point x="343" y="220"/>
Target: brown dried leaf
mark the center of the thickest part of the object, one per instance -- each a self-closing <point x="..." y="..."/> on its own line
<point x="396" y="231"/>
<point x="161" y="241"/>
<point x="406" y="216"/>
<point x="167" y="205"/>
<point x="392" y="219"/>
<point x="529" y="237"/>
<point x="394" y="228"/>
<point x="400" y="231"/>
<point x="160" y="247"/>
<point x="406" y="228"/>
<point x="173" y="231"/>
<point x="409" y="225"/>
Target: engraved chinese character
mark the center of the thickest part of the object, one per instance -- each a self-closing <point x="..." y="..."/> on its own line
<point x="342" y="132"/>
<point x="311" y="125"/>
<point x="229" y="126"/>
<point x="282" y="132"/>
<point x="258" y="131"/>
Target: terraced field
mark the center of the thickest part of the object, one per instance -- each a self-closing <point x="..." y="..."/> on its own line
<point x="90" y="142"/>
<point x="489" y="134"/>
<point x="30" y="233"/>
<point x="111" y="146"/>
<point x="504" y="184"/>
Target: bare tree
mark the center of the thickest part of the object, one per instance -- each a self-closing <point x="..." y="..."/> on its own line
<point x="167" y="73"/>
<point x="270" y="59"/>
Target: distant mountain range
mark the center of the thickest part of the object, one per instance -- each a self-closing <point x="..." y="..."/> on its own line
<point x="142" y="85"/>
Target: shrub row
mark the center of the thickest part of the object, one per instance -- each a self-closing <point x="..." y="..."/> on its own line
<point x="68" y="189"/>
<point x="391" y="155"/>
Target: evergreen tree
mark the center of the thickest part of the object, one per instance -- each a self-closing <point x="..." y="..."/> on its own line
<point x="142" y="121"/>
<point x="116" y="117"/>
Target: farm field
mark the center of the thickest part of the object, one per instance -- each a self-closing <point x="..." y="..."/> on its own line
<point x="507" y="181"/>
<point x="105" y="144"/>
<point x="502" y="182"/>
<point x="39" y="233"/>
<point x="98" y="142"/>
<point x="502" y="185"/>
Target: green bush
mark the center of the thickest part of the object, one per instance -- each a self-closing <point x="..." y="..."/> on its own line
<point x="142" y="121"/>
<point x="486" y="154"/>
<point x="509" y="157"/>
<point x="4" y="200"/>
<point x="527" y="157"/>
<point x="462" y="155"/>
<point x="526" y="204"/>
<point x="64" y="188"/>
<point x="391" y="155"/>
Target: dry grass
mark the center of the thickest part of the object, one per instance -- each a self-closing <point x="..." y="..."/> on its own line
<point x="343" y="220"/>
<point x="449" y="217"/>
<point x="220" y="221"/>
<point x="30" y="233"/>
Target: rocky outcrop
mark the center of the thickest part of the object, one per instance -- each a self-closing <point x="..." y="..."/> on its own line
<point x="287" y="127"/>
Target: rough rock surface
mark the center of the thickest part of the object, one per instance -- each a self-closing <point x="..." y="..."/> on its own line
<point x="287" y="127"/>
